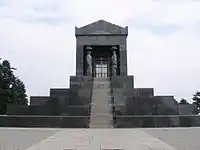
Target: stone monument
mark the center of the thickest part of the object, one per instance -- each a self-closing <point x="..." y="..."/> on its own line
<point x="114" y="62"/>
<point x="101" y="95"/>
<point x="89" y="63"/>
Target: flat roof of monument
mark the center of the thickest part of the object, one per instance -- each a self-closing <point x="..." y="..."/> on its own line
<point x="101" y="27"/>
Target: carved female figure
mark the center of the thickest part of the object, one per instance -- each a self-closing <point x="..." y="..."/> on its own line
<point x="89" y="63"/>
<point x="114" y="63"/>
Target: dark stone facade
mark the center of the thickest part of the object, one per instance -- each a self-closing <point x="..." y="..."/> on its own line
<point x="140" y="101"/>
<point x="101" y="33"/>
<point x="63" y="108"/>
<point x="157" y="121"/>
<point x="44" y="121"/>
<point x="131" y="107"/>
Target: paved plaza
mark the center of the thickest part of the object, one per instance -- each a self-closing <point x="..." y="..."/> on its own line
<point x="96" y="139"/>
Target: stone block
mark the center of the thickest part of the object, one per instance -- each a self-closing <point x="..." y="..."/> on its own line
<point x="39" y="100"/>
<point x="140" y="106"/>
<point x="80" y="81"/>
<point x="166" y="121"/>
<point x="187" y="109"/>
<point x="79" y="110"/>
<point x="166" y="105"/>
<point x="57" y="92"/>
<point x="117" y="94"/>
<point x="28" y="110"/>
<point x="186" y="121"/>
<point x="156" y="121"/>
<point x="118" y="109"/>
<point x="44" y="121"/>
<point x="75" y="122"/>
<point x="143" y="92"/>
<point x="125" y="82"/>
<point x="147" y="122"/>
<point x="196" y="120"/>
<point x="18" y="109"/>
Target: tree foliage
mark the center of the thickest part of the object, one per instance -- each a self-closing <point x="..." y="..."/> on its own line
<point x="12" y="89"/>
<point x="196" y="99"/>
<point x="183" y="101"/>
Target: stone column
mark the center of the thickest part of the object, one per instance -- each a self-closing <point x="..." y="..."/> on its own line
<point x="123" y="60"/>
<point x="79" y="60"/>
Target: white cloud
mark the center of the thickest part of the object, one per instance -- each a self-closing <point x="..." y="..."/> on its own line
<point x="38" y="38"/>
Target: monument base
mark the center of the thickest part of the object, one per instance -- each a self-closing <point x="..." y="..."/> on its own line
<point x="157" y="121"/>
<point x="44" y="121"/>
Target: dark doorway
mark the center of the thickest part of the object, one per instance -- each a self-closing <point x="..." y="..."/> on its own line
<point x="101" y="59"/>
<point x="101" y="68"/>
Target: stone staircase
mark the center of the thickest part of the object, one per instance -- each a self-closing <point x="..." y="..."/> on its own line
<point x="101" y="114"/>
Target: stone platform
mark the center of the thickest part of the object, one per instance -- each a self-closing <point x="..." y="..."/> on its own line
<point x="96" y="139"/>
<point x="151" y="121"/>
<point x="44" y="121"/>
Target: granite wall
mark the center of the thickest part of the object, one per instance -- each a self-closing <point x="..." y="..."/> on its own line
<point x="187" y="109"/>
<point x="155" y="121"/>
<point x="62" y="101"/>
<point x="45" y="121"/>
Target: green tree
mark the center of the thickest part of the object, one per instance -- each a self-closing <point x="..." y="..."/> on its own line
<point x="176" y="102"/>
<point x="18" y="93"/>
<point x="183" y="101"/>
<point x="12" y="89"/>
<point x="196" y="99"/>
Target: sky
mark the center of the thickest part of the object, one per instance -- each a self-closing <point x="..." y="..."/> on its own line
<point x="37" y="37"/>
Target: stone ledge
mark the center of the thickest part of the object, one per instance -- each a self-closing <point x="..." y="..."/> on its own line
<point x="156" y="121"/>
<point x="44" y="121"/>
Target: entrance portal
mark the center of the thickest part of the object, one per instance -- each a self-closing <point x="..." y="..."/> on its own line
<point x="101" y="57"/>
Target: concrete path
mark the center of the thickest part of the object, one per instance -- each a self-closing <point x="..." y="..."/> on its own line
<point x="96" y="139"/>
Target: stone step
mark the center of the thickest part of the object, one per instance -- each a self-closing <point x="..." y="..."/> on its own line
<point x="100" y="106"/>
<point x="101" y="91"/>
<point x="102" y="102"/>
<point x="102" y="121"/>
<point x="95" y="113"/>
<point x="104" y="116"/>
<point x="101" y="86"/>
<point x="101" y="112"/>
<point x="101" y="127"/>
<point x="102" y="95"/>
<point x="107" y="92"/>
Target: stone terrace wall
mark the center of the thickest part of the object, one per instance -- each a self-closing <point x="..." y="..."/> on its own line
<point x="155" y="121"/>
<point x="45" y="121"/>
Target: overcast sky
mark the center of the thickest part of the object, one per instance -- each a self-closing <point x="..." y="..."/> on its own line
<point x="37" y="37"/>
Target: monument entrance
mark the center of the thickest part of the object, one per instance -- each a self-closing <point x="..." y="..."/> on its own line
<point x="101" y="50"/>
<point x="101" y="62"/>
<point x="103" y="59"/>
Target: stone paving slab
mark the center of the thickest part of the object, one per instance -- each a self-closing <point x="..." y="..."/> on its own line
<point x="182" y="138"/>
<point x="96" y="139"/>
<point x="22" y="138"/>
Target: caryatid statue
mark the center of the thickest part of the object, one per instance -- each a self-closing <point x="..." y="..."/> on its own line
<point x="114" y="61"/>
<point x="89" y="61"/>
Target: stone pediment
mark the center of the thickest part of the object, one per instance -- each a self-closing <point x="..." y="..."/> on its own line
<point x="101" y="27"/>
